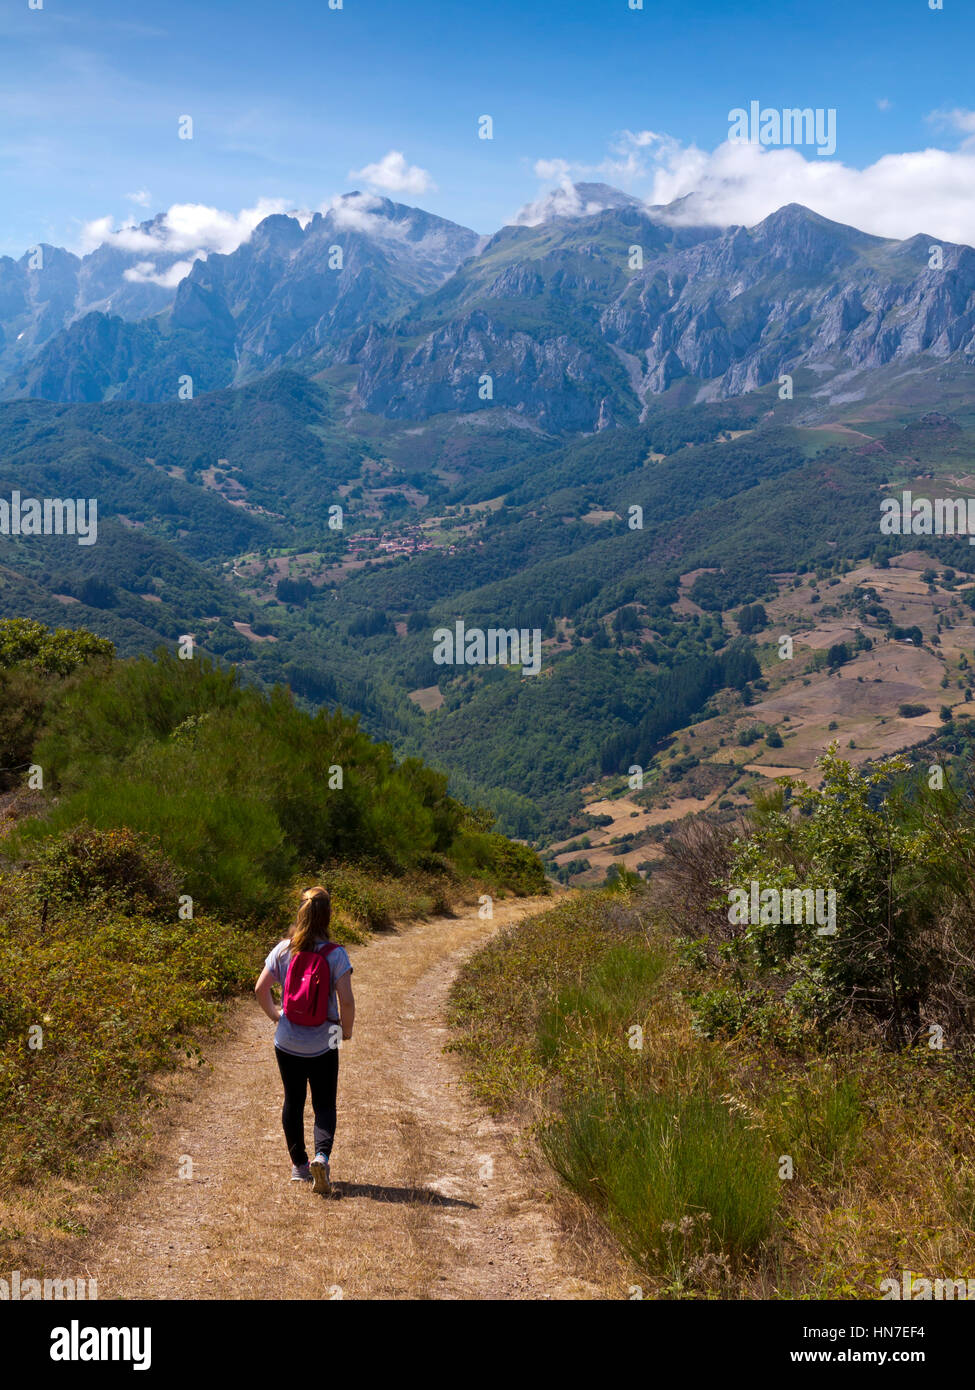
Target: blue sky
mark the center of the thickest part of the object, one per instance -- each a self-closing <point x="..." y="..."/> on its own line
<point x="287" y="98"/>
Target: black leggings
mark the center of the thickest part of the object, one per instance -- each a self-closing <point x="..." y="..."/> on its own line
<point x="323" y="1074"/>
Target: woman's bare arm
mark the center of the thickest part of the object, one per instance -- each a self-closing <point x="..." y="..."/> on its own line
<point x="343" y="991"/>
<point x="263" y="991"/>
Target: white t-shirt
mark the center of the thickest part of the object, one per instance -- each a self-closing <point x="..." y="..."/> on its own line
<point x="297" y="1037"/>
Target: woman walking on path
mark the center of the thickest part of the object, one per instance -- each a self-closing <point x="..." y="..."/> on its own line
<point x="317" y="1008"/>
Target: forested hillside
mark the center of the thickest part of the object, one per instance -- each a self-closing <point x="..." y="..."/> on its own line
<point x="307" y="552"/>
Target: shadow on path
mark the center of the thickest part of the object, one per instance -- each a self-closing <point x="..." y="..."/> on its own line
<point x="423" y="1196"/>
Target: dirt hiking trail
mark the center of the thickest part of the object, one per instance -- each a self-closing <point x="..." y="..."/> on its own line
<point x="432" y="1199"/>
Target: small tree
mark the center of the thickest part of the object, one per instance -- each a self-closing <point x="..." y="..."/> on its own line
<point x="887" y="859"/>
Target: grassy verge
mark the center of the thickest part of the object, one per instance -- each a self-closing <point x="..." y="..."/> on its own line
<point x="744" y="1165"/>
<point x="170" y="819"/>
<point x="107" y="992"/>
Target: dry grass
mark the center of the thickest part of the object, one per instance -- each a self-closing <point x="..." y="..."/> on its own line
<point x="883" y="1145"/>
<point x="418" y="1212"/>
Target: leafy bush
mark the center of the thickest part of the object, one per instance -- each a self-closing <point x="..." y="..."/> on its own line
<point x="24" y="641"/>
<point x="115" y="867"/>
<point x="899" y="867"/>
<point x="242" y="791"/>
<point x="726" y="1011"/>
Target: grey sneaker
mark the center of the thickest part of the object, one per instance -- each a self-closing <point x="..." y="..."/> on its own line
<point x="300" y="1172"/>
<point x="320" y="1175"/>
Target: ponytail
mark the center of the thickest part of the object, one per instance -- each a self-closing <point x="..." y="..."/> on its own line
<point x="313" y="919"/>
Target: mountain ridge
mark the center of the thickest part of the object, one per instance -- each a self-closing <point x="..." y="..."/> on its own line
<point x="575" y="321"/>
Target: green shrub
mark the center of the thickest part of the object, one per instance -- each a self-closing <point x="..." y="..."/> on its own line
<point x="508" y="863"/>
<point x="243" y="791"/>
<point x="652" y="1161"/>
<point x="92" y="866"/>
<point x="112" y="995"/>
<point x="754" y="1014"/>
<point x="23" y="641"/>
<point x="894" y="863"/>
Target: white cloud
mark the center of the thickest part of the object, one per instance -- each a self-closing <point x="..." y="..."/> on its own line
<point x="930" y="191"/>
<point x="188" y="231"/>
<point x="393" y="174"/>
<point x="353" y="212"/>
<point x="562" y="201"/>
<point x="95" y="232"/>
<point x="146" y="273"/>
<point x="884" y="103"/>
<point x="958" y="120"/>
<point x="640" y="138"/>
<point x="552" y="169"/>
<point x="142" y="199"/>
<point x="626" y="165"/>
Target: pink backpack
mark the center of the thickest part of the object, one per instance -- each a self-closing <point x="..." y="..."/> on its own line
<point x="307" y="988"/>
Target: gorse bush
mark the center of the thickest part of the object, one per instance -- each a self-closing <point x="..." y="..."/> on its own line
<point x="115" y="867"/>
<point x="101" y="983"/>
<point x="243" y="790"/>
<point x="370" y="903"/>
<point x="33" y="663"/>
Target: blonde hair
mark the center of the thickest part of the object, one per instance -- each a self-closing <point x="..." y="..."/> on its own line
<point x="313" y="919"/>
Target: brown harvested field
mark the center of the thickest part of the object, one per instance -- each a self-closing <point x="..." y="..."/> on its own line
<point x="601" y="853"/>
<point x="429" y="697"/>
<point x="772" y="770"/>
<point x="863" y="709"/>
<point x="683" y="604"/>
<point x="860" y="698"/>
<point x="629" y="817"/>
<point x="600" y="860"/>
<point x="433" y="1199"/>
<point x="247" y="631"/>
